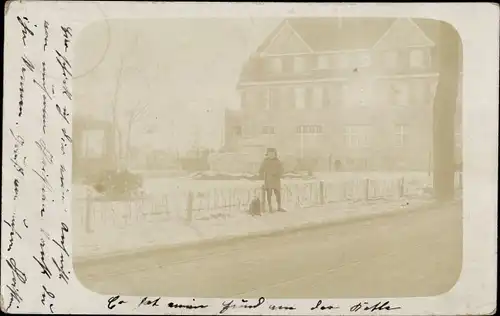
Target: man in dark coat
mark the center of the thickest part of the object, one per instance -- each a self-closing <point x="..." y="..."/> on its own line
<point x="271" y="170"/>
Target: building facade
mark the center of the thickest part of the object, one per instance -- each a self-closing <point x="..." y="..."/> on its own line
<point x="355" y="90"/>
<point x="93" y="147"/>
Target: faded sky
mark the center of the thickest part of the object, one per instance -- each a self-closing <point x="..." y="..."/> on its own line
<point x="186" y="69"/>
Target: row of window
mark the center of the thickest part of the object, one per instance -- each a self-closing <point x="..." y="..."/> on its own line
<point x="417" y="58"/>
<point x="396" y="93"/>
<point x="356" y="136"/>
<point x="302" y="129"/>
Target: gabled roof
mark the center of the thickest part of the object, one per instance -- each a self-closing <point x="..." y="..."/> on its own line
<point x="334" y="34"/>
<point x="345" y="33"/>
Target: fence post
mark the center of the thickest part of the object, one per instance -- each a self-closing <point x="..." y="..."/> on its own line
<point x="262" y="198"/>
<point x="189" y="208"/>
<point x="367" y="189"/>
<point x="88" y="211"/>
<point x="322" y="192"/>
<point x="402" y="187"/>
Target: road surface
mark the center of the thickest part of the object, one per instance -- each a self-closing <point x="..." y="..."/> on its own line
<point x="416" y="253"/>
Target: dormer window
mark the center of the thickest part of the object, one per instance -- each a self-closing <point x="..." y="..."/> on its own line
<point x="418" y="58"/>
<point x="300" y="64"/>
<point x="324" y="62"/>
<point x="275" y="65"/>
<point x="363" y="59"/>
<point x="341" y="61"/>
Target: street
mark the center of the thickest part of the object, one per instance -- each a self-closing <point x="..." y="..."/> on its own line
<point x="415" y="253"/>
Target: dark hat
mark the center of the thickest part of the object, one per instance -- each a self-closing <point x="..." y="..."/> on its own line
<point x="270" y="150"/>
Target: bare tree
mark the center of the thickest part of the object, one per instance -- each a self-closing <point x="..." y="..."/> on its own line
<point x="123" y="131"/>
<point x="135" y="115"/>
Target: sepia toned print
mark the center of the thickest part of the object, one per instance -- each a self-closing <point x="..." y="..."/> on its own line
<point x="286" y="158"/>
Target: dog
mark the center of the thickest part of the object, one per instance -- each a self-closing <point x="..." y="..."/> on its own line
<point x="254" y="208"/>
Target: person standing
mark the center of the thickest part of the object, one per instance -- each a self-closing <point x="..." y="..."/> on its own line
<point x="271" y="170"/>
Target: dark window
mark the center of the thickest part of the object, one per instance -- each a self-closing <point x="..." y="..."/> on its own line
<point x="237" y="130"/>
<point x="268" y="130"/>
<point x="309" y="129"/>
<point x="288" y="64"/>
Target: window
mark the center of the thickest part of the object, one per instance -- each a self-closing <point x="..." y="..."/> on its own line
<point x="357" y="136"/>
<point x="363" y="59"/>
<point x="401" y="135"/>
<point x="458" y="136"/>
<point x="418" y="59"/>
<point x="364" y="95"/>
<point x="266" y="100"/>
<point x="93" y="143"/>
<point x="421" y="91"/>
<point x="300" y="64"/>
<point x="274" y="98"/>
<point x="300" y="98"/>
<point x="341" y="60"/>
<point x="323" y="62"/>
<point x="332" y="96"/>
<point x="391" y="59"/>
<point x="399" y="93"/>
<point x="309" y="129"/>
<point x="237" y="130"/>
<point x="244" y="99"/>
<point x="317" y="97"/>
<point x="344" y="94"/>
<point x="275" y="65"/>
<point x="268" y="130"/>
<point x="357" y="94"/>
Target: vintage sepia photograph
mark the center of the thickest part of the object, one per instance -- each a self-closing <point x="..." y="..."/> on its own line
<point x="278" y="157"/>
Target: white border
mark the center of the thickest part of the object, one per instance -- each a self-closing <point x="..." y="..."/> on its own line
<point x="477" y="24"/>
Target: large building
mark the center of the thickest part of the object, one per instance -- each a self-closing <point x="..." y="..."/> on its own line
<point x="357" y="90"/>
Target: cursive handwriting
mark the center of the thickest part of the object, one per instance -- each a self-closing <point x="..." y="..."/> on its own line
<point x="43" y="85"/>
<point x="17" y="147"/>
<point x="66" y="136"/>
<point x="20" y="275"/>
<point x="67" y="36"/>
<point x="25" y="30"/>
<point x="372" y="308"/>
<point x="320" y="306"/>
<point x="63" y="113"/>
<point x="64" y="229"/>
<point x="12" y="232"/>
<point x="62" y="170"/>
<point x="41" y="261"/>
<point x="28" y="65"/>
<point x="60" y="267"/>
<point x="146" y="301"/>
<point x="47" y="155"/>
<point x="61" y="244"/>
<point x="65" y="67"/>
<point x="185" y="306"/>
<point x="113" y="299"/>
<point x="232" y="305"/>
<point x="17" y="274"/>
<point x="45" y="95"/>
<point x="16" y="189"/>
<point x="47" y="158"/>
<point x="46" y="39"/>
<point x="44" y="297"/>
<point x="281" y="307"/>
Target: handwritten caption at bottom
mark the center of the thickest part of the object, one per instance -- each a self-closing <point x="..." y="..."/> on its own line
<point x="261" y="303"/>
